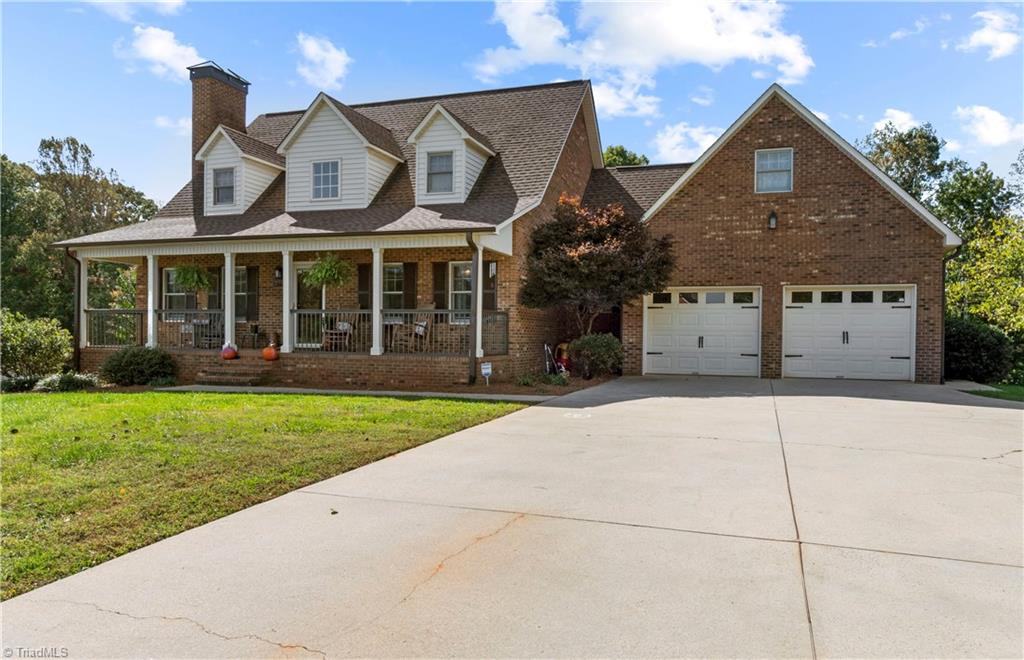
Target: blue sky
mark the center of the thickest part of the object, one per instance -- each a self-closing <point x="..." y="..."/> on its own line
<point x="669" y="77"/>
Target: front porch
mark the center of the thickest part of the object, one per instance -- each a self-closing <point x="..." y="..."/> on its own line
<point x="432" y="308"/>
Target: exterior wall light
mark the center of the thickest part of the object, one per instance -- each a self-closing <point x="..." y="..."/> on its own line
<point x="278" y="274"/>
<point x="773" y="220"/>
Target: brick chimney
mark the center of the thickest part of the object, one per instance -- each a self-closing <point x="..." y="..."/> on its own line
<point x="218" y="97"/>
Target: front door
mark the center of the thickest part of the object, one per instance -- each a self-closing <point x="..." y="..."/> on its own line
<point x="309" y="300"/>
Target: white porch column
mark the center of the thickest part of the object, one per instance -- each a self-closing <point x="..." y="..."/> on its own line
<point x="286" y="301"/>
<point x="229" y="299"/>
<point x="83" y="302"/>
<point x="152" y="286"/>
<point x="479" y="293"/>
<point x="377" y="301"/>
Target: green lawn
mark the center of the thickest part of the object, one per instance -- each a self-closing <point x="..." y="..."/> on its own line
<point x="90" y="476"/>
<point x="1008" y="392"/>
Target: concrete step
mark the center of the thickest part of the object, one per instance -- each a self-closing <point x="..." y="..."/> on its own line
<point x="228" y="379"/>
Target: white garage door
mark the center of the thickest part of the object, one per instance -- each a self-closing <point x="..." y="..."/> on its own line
<point x="848" y="332"/>
<point x="703" y="331"/>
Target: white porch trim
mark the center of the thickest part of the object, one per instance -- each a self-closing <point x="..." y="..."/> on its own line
<point x="83" y="301"/>
<point x="377" y="301"/>
<point x="152" y="286"/>
<point x="286" y="301"/>
<point x="229" y="299"/>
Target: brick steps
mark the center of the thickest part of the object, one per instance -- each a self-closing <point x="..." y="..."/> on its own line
<point x="243" y="371"/>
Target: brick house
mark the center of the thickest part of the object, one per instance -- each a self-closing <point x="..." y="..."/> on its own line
<point x="795" y="255"/>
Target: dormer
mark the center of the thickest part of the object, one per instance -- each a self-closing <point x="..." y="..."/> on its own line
<point x="237" y="169"/>
<point x="449" y="156"/>
<point x="336" y="158"/>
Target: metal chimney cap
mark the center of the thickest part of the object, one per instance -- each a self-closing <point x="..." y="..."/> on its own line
<point x="210" y="69"/>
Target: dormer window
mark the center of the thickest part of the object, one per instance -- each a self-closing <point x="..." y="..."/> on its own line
<point x="439" y="172"/>
<point x="224" y="186"/>
<point x="326" y="179"/>
<point x="773" y="170"/>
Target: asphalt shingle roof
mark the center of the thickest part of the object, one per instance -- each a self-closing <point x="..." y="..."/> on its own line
<point x="525" y="126"/>
<point x="635" y="187"/>
<point x="254" y="147"/>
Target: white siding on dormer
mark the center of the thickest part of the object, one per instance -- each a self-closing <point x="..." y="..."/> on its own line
<point x="257" y="177"/>
<point x="223" y="154"/>
<point x="439" y="136"/>
<point x="378" y="169"/>
<point x="326" y="137"/>
<point x="475" y="160"/>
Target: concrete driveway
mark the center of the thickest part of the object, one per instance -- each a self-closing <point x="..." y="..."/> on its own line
<point x="655" y="516"/>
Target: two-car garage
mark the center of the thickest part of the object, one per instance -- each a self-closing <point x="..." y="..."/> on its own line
<point x="827" y="332"/>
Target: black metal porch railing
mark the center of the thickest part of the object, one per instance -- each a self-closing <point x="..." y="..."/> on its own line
<point x="114" y="327"/>
<point x="494" y="339"/>
<point x="199" y="329"/>
<point x="334" y="331"/>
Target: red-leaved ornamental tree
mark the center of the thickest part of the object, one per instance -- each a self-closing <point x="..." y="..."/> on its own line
<point x="588" y="260"/>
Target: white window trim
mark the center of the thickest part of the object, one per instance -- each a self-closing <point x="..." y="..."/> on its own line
<point x="312" y="180"/>
<point x="452" y="265"/>
<point x="792" y="171"/>
<point x="234" y="187"/>
<point x="385" y="292"/>
<point x="426" y="175"/>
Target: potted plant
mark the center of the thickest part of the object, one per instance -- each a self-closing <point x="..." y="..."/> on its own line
<point x="328" y="270"/>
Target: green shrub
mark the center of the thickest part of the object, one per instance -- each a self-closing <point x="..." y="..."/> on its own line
<point x="596" y="354"/>
<point x="526" y="380"/>
<point x="138" y="365"/>
<point x="32" y="347"/>
<point x="66" y="382"/>
<point x="163" y="381"/>
<point x="976" y="351"/>
<point x="1016" y="375"/>
<point x="11" y="384"/>
<point x="560" y="379"/>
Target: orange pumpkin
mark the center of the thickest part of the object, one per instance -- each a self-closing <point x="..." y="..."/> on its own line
<point x="270" y="353"/>
<point x="228" y="353"/>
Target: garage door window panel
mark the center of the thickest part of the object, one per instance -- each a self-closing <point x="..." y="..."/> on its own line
<point x="714" y="297"/>
<point x="661" y="298"/>
<point x="862" y="297"/>
<point x="831" y="296"/>
<point x="801" y="297"/>
<point x="894" y="296"/>
<point x="688" y="298"/>
<point x="743" y="297"/>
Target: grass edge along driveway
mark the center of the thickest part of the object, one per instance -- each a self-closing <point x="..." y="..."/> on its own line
<point x="90" y="476"/>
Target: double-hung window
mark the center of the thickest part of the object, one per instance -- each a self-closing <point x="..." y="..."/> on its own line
<point x="224" y="186"/>
<point x="174" y="296"/>
<point x="773" y="170"/>
<point x="327" y="179"/>
<point x="460" y="291"/>
<point x="241" y="295"/>
<point x="440" y="171"/>
<point x="394" y="286"/>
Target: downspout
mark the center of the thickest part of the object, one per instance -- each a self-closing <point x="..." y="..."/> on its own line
<point x="76" y="315"/>
<point x="475" y="279"/>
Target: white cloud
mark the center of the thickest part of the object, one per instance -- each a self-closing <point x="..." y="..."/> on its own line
<point x="704" y="96"/>
<point x="901" y="119"/>
<point x="161" y="51"/>
<point x="823" y="116"/>
<point x="953" y="145"/>
<point x="760" y="74"/>
<point x="181" y="125"/>
<point x="870" y="43"/>
<point x="323" y="64"/>
<point x="624" y="48"/>
<point x="999" y="33"/>
<point x="989" y="127"/>
<point x="920" y="25"/>
<point x="683" y="143"/>
<point x="126" y="11"/>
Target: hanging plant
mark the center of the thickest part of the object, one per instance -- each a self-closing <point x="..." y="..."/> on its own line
<point x="192" y="278"/>
<point x="328" y="270"/>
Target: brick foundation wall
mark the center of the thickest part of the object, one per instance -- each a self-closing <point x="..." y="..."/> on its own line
<point x="839" y="226"/>
<point x="325" y="370"/>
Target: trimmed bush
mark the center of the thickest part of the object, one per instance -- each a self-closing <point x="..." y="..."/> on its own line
<point x="138" y="365"/>
<point x="596" y="354"/>
<point x="32" y="348"/>
<point x="976" y="351"/>
<point x="12" y="384"/>
<point x="66" y="382"/>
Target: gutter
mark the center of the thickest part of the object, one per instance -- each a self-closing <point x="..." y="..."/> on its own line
<point x="946" y="258"/>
